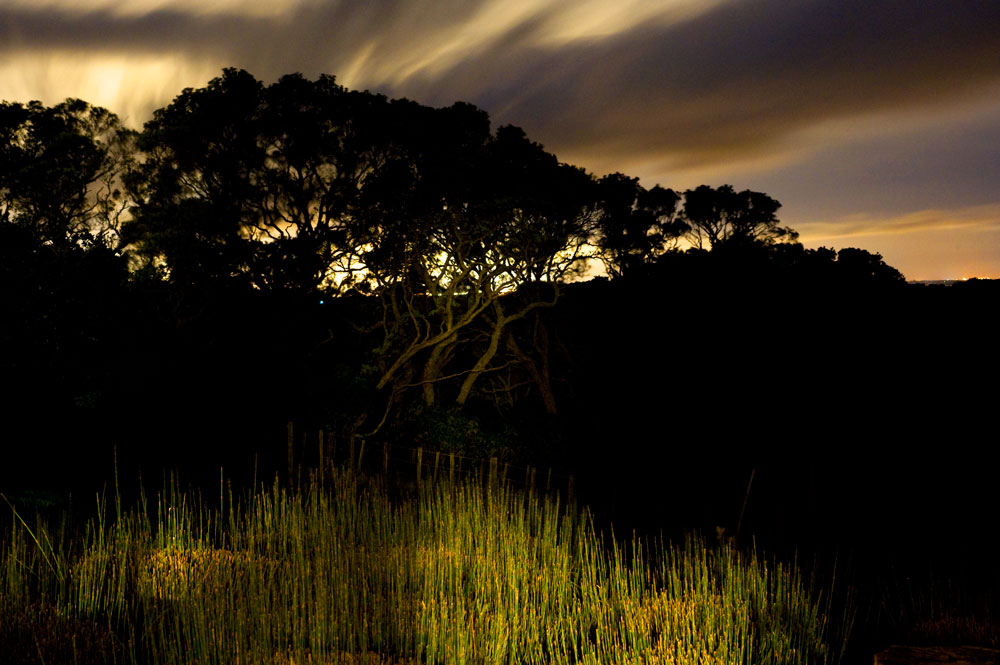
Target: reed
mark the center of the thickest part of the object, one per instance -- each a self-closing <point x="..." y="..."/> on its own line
<point x="464" y="572"/>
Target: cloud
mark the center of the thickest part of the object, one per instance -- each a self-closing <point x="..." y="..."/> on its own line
<point x="371" y="42"/>
<point x="104" y="30"/>
<point x="692" y="82"/>
<point x="730" y="82"/>
<point x="971" y="218"/>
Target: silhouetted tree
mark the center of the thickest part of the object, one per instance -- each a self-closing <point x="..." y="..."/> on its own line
<point x="62" y="276"/>
<point x="304" y="184"/>
<point x="255" y="183"/>
<point x="859" y="265"/>
<point x="635" y="225"/>
<point x="61" y="171"/>
<point x="724" y="216"/>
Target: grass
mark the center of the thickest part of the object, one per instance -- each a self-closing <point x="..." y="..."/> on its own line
<point x="339" y="572"/>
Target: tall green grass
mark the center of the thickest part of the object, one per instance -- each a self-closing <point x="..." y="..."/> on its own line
<point x="471" y="572"/>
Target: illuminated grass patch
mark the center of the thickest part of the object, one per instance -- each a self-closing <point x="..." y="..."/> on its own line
<point x="464" y="573"/>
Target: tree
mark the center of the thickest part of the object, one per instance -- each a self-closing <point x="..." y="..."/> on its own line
<point x="468" y="234"/>
<point x="62" y="275"/>
<point x="255" y="183"/>
<point x="530" y="366"/>
<point x="723" y="216"/>
<point x="305" y="185"/>
<point x="861" y="266"/>
<point x="635" y="225"/>
<point x="61" y="171"/>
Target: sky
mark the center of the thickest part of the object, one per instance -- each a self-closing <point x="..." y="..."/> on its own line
<point x="876" y="123"/>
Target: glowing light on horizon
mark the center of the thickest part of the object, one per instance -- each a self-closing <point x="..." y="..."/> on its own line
<point x="130" y="85"/>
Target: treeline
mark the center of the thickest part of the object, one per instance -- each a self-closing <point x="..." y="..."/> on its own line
<point x="385" y="271"/>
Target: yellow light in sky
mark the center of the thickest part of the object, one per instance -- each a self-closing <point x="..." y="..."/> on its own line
<point x="587" y="19"/>
<point x="927" y="244"/>
<point x="396" y="57"/>
<point x="130" y="85"/>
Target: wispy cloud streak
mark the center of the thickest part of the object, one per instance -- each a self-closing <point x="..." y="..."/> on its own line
<point x="971" y="218"/>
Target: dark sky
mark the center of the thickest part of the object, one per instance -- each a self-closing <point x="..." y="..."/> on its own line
<point x="875" y="122"/>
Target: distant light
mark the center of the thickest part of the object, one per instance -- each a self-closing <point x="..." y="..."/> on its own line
<point x="320" y="302"/>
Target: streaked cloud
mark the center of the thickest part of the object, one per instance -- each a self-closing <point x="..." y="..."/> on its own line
<point x="978" y="218"/>
<point x="732" y="82"/>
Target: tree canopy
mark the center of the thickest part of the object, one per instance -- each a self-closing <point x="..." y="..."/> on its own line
<point x="722" y="216"/>
<point x="61" y="171"/>
<point x="458" y="230"/>
<point x="635" y="225"/>
<point x="252" y="183"/>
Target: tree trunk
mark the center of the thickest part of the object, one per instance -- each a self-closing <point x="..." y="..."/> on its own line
<point x="484" y="360"/>
<point x="541" y="377"/>
<point x="432" y="369"/>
